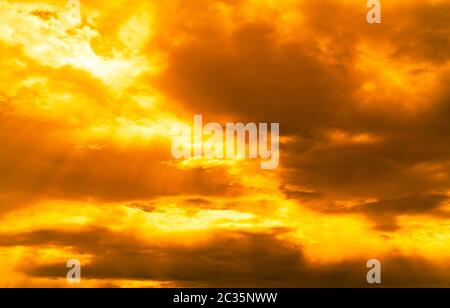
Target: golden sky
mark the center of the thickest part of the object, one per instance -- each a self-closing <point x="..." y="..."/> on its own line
<point x="86" y="111"/>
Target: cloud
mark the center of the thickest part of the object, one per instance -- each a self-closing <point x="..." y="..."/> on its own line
<point x="251" y="76"/>
<point x="385" y="212"/>
<point x="86" y="112"/>
<point x="237" y="259"/>
<point x="407" y="205"/>
<point x="38" y="166"/>
<point x="339" y="75"/>
<point x="68" y="133"/>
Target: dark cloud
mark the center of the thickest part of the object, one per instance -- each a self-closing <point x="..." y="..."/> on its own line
<point x="237" y="259"/>
<point x="254" y="74"/>
<point x="406" y="205"/>
<point x="384" y="212"/>
<point x="416" y="30"/>
<point x="253" y="77"/>
<point x="384" y="170"/>
<point x="299" y="194"/>
<point x="251" y="74"/>
<point x="424" y="32"/>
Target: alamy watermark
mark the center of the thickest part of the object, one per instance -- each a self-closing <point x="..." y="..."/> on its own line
<point x="73" y="13"/>
<point x="374" y="274"/>
<point x="374" y="14"/>
<point x="229" y="142"/>
<point x="74" y="274"/>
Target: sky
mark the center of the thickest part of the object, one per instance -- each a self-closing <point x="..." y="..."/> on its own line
<point x="87" y="104"/>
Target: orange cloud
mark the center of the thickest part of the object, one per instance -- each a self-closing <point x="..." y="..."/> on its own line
<point x="86" y="108"/>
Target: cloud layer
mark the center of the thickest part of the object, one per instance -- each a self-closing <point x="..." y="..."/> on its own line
<point x="86" y="109"/>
